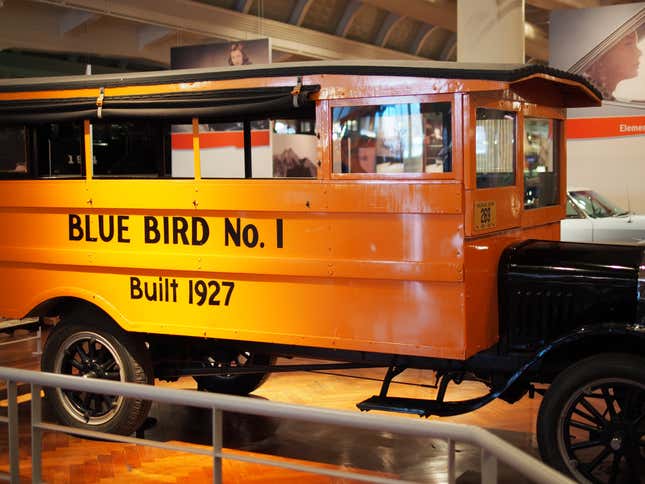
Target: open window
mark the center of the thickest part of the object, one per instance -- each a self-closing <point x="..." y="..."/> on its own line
<point x="264" y="148"/>
<point x="42" y="150"/>
<point x="137" y="148"/>
<point x="245" y="133"/>
<point x="541" y="162"/>
<point x="13" y="151"/>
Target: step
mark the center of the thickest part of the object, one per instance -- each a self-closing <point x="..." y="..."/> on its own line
<point x="416" y="406"/>
<point x="424" y="408"/>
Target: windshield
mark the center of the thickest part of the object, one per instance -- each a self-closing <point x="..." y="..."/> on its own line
<point x="595" y="205"/>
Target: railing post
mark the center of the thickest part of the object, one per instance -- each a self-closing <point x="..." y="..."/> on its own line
<point x="451" y="462"/>
<point x="36" y="434"/>
<point x="217" y="446"/>
<point x="489" y="467"/>
<point x="14" y="444"/>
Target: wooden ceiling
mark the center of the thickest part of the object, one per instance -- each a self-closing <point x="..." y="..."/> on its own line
<point x="47" y="37"/>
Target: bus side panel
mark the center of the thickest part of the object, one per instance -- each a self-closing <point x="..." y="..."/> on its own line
<point x="482" y="259"/>
<point x="364" y="279"/>
<point x="400" y="317"/>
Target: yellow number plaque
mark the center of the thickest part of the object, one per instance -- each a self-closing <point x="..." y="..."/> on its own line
<point x="485" y="215"/>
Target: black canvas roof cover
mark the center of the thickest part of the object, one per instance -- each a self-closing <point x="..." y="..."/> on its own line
<point x="179" y="107"/>
<point x="430" y="69"/>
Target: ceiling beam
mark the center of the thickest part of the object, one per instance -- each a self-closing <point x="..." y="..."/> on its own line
<point x="299" y="12"/>
<point x="556" y="4"/>
<point x="345" y="22"/>
<point x="389" y="24"/>
<point x="149" y="34"/>
<point x="243" y="5"/>
<point x="29" y="27"/>
<point x="449" y="47"/>
<point x="72" y="20"/>
<point x="443" y="13"/>
<point x="200" y="19"/>
<point x="424" y="33"/>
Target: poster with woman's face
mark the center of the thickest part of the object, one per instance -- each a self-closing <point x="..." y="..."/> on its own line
<point x="607" y="46"/>
<point x="227" y="54"/>
<point x="618" y="72"/>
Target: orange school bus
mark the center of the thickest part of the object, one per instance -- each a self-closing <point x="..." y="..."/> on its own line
<point x="402" y="215"/>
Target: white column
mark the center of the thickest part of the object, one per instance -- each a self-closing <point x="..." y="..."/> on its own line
<point x="490" y="31"/>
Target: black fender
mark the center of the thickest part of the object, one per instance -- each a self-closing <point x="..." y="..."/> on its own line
<point x="582" y="337"/>
<point x="583" y="341"/>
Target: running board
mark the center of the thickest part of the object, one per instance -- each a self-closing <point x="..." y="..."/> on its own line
<point x="424" y="408"/>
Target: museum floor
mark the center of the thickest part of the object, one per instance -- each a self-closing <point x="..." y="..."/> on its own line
<point x="71" y="459"/>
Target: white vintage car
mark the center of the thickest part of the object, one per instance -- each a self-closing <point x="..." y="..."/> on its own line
<point x="592" y="218"/>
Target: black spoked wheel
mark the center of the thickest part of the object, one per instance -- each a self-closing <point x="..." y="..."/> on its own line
<point x="90" y="355"/>
<point x="235" y="384"/>
<point x="98" y="351"/>
<point x="592" y="420"/>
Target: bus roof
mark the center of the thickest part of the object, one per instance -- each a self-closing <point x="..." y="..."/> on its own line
<point x="426" y="69"/>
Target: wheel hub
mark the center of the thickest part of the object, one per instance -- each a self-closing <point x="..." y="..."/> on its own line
<point x="92" y="369"/>
<point x="616" y="443"/>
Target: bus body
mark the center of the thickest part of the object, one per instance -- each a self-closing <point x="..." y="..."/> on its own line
<point x="344" y="209"/>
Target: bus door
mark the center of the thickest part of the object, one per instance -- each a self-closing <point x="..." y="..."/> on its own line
<point x="493" y="190"/>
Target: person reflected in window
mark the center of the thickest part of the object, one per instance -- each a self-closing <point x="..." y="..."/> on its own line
<point x="237" y="56"/>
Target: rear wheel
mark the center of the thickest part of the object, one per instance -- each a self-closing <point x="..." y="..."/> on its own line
<point x="591" y="423"/>
<point x="92" y="346"/>
<point x="232" y="384"/>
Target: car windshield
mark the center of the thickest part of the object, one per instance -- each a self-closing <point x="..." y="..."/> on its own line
<point x="595" y="205"/>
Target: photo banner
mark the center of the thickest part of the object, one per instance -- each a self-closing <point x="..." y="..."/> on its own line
<point x="607" y="46"/>
<point x="223" y="54"/>
<point x="605" y="144"/>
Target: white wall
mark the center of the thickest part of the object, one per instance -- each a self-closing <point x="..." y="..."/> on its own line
<point x="612" y="166"/>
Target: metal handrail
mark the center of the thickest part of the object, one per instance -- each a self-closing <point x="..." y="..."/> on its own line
<point x="493" y="448"/>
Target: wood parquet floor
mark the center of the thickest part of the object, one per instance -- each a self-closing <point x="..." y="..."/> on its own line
<point x="70" y="459"/>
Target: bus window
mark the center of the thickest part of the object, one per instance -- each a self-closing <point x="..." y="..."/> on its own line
<point x="294" y="148"/>
<point x="222" y="150"/>
<point x="13" y="150"/>
<point x="495" y="148"/>
<point x="541" y="170"/>
<point x="277" y="149"/>
<point x="57" y="149"/>
<point x="393" y="138"/>
<point x="130" y="148"/>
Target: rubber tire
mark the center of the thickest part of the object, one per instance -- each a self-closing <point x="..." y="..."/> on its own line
<point x="580" y="374"/>
<point x="131" y="351"/>
<point x="237" y="385"/>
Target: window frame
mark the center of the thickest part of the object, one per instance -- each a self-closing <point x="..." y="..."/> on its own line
<point x="248" y="149"/>
<point x="543" y="215"/>
<point x="33" y="173"/>
<point x="516" y="132"/>
<point x="456" y="113"/>
<point x="162" y="165"/>
<point x="558" y="153"/>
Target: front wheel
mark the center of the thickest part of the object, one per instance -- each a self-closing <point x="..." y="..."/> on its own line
<point x="591" y="423"/>
<point x="92" y="346"/>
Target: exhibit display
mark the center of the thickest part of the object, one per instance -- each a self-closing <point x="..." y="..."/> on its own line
<point x="404" y="215"/>
<point x="593" y="218"/>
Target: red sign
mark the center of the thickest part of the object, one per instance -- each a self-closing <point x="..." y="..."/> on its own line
<point x="580" y="128"/>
